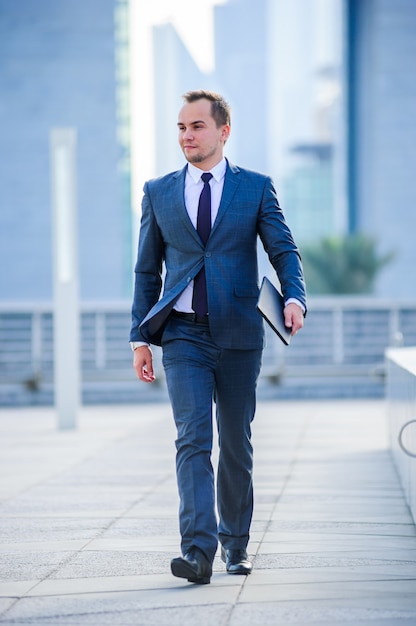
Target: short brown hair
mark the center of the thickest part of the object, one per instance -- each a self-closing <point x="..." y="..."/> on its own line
<point x="220" y="109"/>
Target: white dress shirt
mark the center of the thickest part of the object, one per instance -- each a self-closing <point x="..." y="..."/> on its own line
<point x="193" y="187"/>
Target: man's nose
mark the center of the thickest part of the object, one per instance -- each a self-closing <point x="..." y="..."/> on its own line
<point x="188" y="133"/>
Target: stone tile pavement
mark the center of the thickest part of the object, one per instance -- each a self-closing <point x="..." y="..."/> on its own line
<point x="88" y="522"/>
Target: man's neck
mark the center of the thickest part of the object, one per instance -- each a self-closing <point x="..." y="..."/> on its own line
<point x="217" y="170"/>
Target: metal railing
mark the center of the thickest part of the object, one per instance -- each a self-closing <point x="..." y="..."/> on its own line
<point x="343" y="336"/>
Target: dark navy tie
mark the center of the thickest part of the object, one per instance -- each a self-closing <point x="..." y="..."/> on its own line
<point x="203" y="226"/>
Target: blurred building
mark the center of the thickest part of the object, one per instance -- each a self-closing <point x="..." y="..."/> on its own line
<point x="308" y="191"/>
<point x="304" y="115"/>
<point x="381" y="88"/>
<point x="242" y="58"/>
<point x="64" y="64"/>
<point x="272" y="63"/>
<point x="323" y="94"/>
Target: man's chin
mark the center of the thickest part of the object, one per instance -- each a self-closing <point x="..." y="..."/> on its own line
<point x="194" y="158"/>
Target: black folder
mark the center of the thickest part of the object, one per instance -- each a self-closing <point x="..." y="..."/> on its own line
<point x="271" y="305"/>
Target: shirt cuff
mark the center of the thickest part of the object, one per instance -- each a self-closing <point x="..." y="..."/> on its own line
<point x="137" y="344"/>
<point x="295" y="301"/>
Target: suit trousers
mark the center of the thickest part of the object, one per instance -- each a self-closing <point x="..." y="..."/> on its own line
<point x="199" y="372"/>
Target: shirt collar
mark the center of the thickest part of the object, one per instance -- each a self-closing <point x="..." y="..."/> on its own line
<point x="218" y="172"/>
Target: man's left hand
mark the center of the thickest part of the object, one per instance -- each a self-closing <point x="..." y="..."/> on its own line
<point x="293" y="317"/>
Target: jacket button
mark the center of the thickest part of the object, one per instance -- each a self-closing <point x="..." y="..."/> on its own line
<point x="207" y="255"/>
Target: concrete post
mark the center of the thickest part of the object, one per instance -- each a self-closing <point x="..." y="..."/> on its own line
<point x="65" y="266"/>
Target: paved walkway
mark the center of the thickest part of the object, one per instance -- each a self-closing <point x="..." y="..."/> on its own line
<point x="89" y="522"/>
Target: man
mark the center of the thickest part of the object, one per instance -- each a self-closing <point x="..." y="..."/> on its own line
<point x="208" y="326"/>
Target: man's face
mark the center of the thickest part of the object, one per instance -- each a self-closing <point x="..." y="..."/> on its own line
<point x="202" y="142"/>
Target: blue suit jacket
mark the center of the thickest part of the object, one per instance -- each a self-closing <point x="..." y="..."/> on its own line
<point x="249" y="208"/>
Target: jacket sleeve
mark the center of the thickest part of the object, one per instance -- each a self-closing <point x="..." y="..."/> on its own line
<point x="279" y="245"/>
<point x="148" y="268"/>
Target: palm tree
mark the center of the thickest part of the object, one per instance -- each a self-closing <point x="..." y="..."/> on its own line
<point x="343" y="265"/>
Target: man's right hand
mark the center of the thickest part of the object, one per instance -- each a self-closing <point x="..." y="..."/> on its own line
<point x="143" y="364"/>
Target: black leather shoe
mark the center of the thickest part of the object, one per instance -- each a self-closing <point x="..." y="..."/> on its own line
<point x="194" y="566"/>
<point x="236" y="561"/>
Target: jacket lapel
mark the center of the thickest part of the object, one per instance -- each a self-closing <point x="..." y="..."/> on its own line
<point x="178" y="200"/>
<point x="231" y="183"/>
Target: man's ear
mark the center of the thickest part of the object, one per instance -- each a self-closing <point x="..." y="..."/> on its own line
<point x="225" y="133"/>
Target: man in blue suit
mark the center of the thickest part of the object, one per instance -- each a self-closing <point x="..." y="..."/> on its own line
<point x="208" y="326"/>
